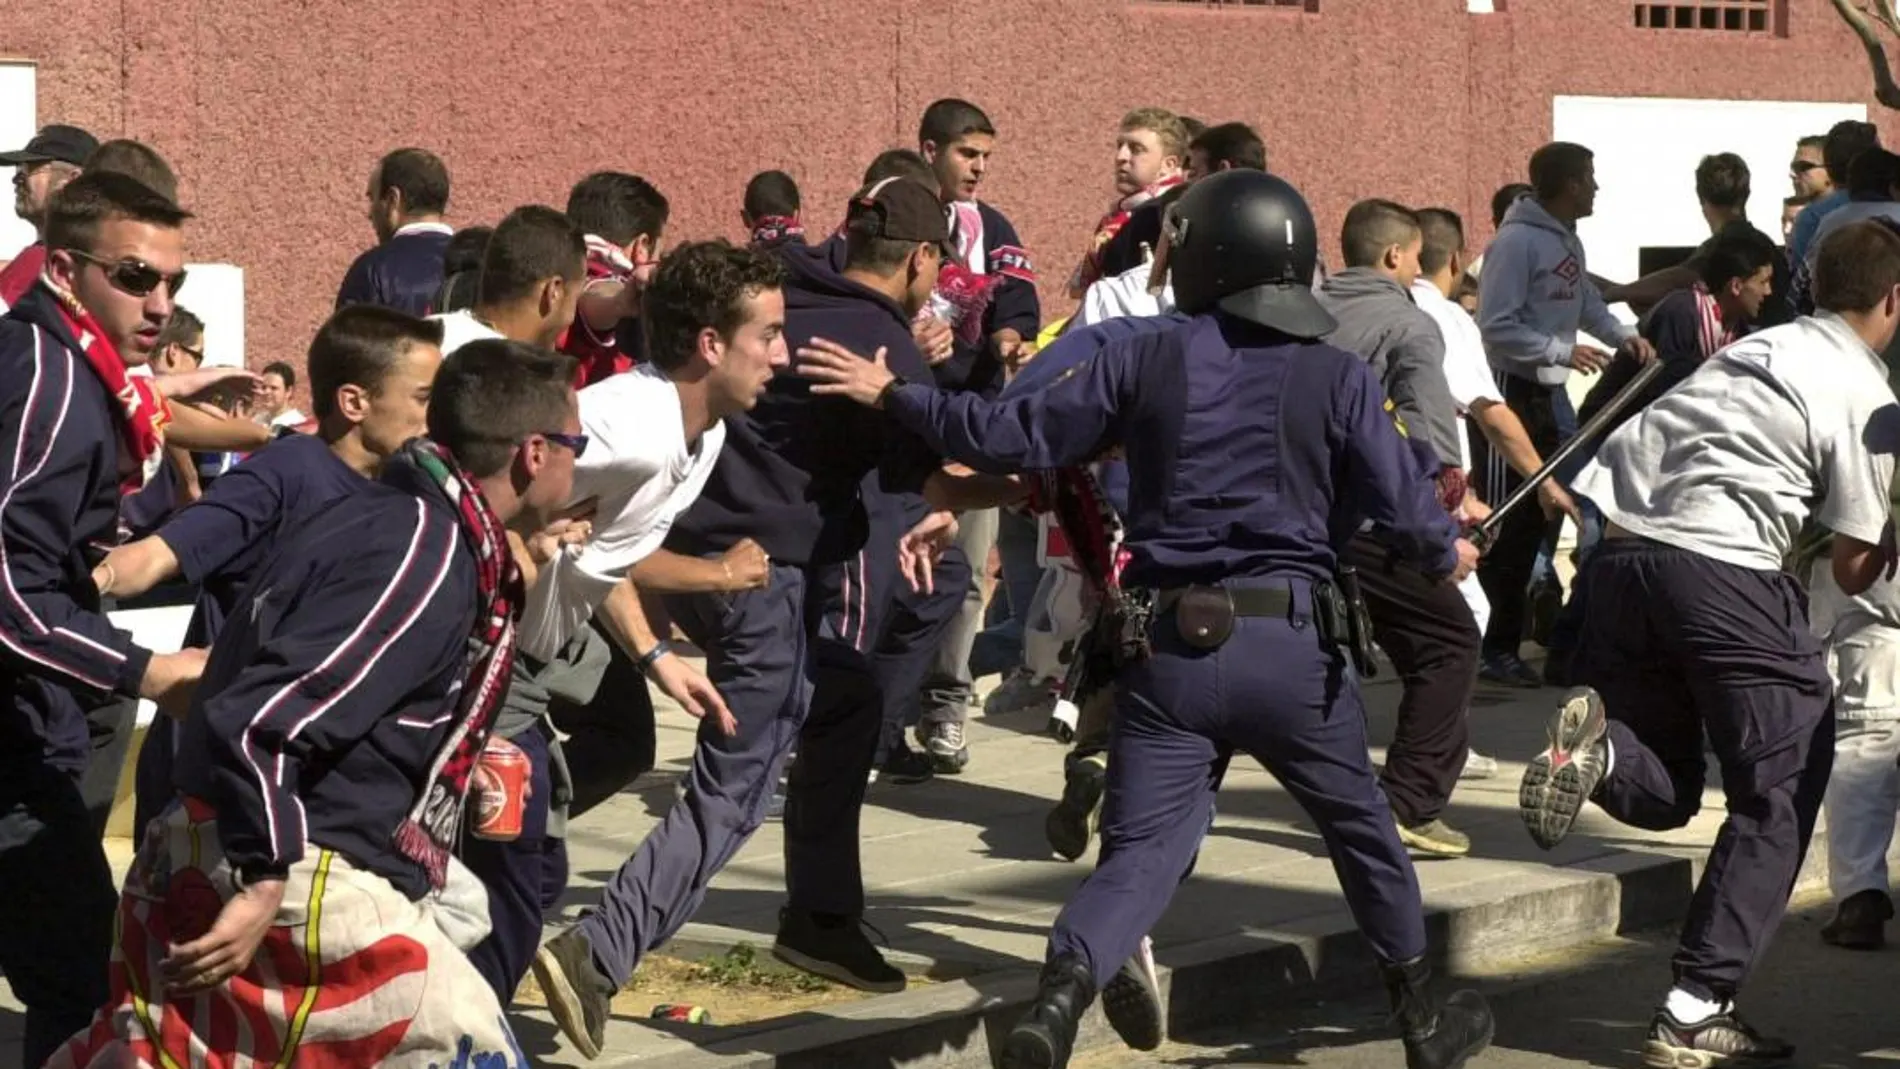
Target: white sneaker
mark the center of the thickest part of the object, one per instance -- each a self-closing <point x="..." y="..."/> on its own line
<point x="1478" y="766"/>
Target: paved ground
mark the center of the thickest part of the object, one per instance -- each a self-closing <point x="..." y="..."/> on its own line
<point x="960" y="871"/>
<point x="1589" y="1008"/>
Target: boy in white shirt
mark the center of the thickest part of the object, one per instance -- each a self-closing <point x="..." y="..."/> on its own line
<point x="1441" y="262"/>
<point x="1696" y="630"/>
<point x="715" y="316"/>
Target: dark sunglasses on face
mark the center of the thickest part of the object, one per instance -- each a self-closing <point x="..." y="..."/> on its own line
<point x="1804" y="166"/>
<point x="576" y="443"/>
<point x="135" y="277"/>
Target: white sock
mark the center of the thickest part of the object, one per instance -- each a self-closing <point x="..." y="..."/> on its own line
<point x="1689" y="1008"/>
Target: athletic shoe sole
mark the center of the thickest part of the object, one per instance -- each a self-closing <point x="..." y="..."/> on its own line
<point x="1660" y="1055"/>
<point x="564" y="1002"/>
<point x="831" y="970"/>
<point x="1560" y="780"/>
<point x="1131" y="1000"/>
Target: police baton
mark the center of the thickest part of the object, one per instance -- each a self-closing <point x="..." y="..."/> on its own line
<point x="1486" y="532"/>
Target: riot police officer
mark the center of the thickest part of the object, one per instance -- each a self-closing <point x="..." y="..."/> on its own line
<point x="1254" y="452"/>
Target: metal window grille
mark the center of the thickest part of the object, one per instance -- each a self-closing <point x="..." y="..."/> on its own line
<point x="1762" y="18"/>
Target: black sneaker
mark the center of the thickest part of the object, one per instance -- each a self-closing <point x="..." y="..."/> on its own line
<point x="1131" y="1000"/>
<point x="905" y="765"/>
<point x="1721" y="1040"/>
<point x="834" y="947"/>
<point x="1563" y="777"/>
<point x="1071" y="824"/>
<point x="1509" y="670"/>
<point x="1860" y="922"/>
<point x="578" y="996"/>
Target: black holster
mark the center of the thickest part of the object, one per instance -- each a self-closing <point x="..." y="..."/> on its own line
<point x="1352" y="623"/>
<point x="1130" y="613"/>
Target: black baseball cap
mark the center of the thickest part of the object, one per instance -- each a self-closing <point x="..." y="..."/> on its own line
<point x="901" y="209"/>
<point x="67" y="144"/>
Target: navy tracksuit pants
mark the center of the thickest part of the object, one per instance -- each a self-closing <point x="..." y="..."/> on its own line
<point x="1272" y="691"/>
<point x="1683" y="647"/>
<point x="790" y="660"/>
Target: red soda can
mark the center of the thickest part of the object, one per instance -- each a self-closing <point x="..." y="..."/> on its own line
<point x="681" y="1012"/>
<point x="500" y="790"/>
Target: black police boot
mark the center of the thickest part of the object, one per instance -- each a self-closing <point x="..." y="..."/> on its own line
<point x="1045" y="1037"/>
<point x="1438" y="1035"/>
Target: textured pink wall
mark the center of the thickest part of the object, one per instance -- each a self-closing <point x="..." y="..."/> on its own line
<point x="273" y="111"/>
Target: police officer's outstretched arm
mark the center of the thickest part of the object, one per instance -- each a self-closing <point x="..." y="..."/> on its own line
<point x="1069" y="422"/>
<point x="1386" y="483"/>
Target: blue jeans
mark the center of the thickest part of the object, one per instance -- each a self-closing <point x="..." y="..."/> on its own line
<point x="999" y="646"/>
<point x="1544" y="569"/>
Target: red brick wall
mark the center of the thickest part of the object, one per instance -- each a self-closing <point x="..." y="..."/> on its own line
<point x="273" y="111"/>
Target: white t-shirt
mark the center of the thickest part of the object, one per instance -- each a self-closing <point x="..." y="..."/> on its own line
<point x="460" y="328"/>
<point x="1467" y="370"/>
<point x="1731" y="462"/>
<point x="643" y="472"/>
<point x="1124" y="296"/>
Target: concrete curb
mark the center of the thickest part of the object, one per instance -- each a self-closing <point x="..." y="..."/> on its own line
<point x="956" y="1024"/>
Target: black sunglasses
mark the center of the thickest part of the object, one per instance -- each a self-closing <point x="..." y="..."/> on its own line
<point x="574" y="442"/>
<point x="1804" y="166"/>
<point x="135" y="277"/>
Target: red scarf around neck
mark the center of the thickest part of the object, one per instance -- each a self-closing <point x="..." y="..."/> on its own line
<point x="1090" y="269"/>
<point x="429" y="833"/>
<point x="143" y="411"/>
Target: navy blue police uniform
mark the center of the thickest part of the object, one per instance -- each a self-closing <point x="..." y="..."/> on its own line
<point x="1253" y="455"/>
<point x="1250" y="459"/>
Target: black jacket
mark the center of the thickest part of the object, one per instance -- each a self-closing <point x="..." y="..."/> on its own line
<point x="790" y="471"/>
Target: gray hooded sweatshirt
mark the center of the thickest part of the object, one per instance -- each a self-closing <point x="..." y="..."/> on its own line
<point x="1379" y="321"/>
<point x="1534" y="294"/>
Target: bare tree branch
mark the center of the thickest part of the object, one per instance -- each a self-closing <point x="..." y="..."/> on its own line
<point x="1885" y="90"/>
<point x="1885" y="11"/>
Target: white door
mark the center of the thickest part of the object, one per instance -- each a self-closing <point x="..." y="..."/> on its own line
<point x="1646" y="154"/>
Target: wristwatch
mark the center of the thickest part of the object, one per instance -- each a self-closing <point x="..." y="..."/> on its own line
<point x="884" y="395"/>
<point x="650" y="657"/>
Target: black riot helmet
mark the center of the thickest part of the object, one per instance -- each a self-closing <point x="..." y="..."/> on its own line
<point x="1243" y="242"/>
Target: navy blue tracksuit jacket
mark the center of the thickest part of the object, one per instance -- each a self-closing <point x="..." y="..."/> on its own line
<point x="59" y="654"/>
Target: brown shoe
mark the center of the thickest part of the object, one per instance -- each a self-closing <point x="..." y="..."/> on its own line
<point x="1860" y="923"/>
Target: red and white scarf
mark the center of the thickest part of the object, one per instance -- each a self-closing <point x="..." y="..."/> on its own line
<point x="772" y="229"/>
<point x="607" y="262"/>
<point x="1090" y="269"/>
<point x="1712" y="335"/>
<point x="143" y="411"/>
<point x="429" y="833"/>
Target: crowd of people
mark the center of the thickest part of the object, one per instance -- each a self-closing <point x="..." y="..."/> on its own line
<point x="429" y="616"/>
